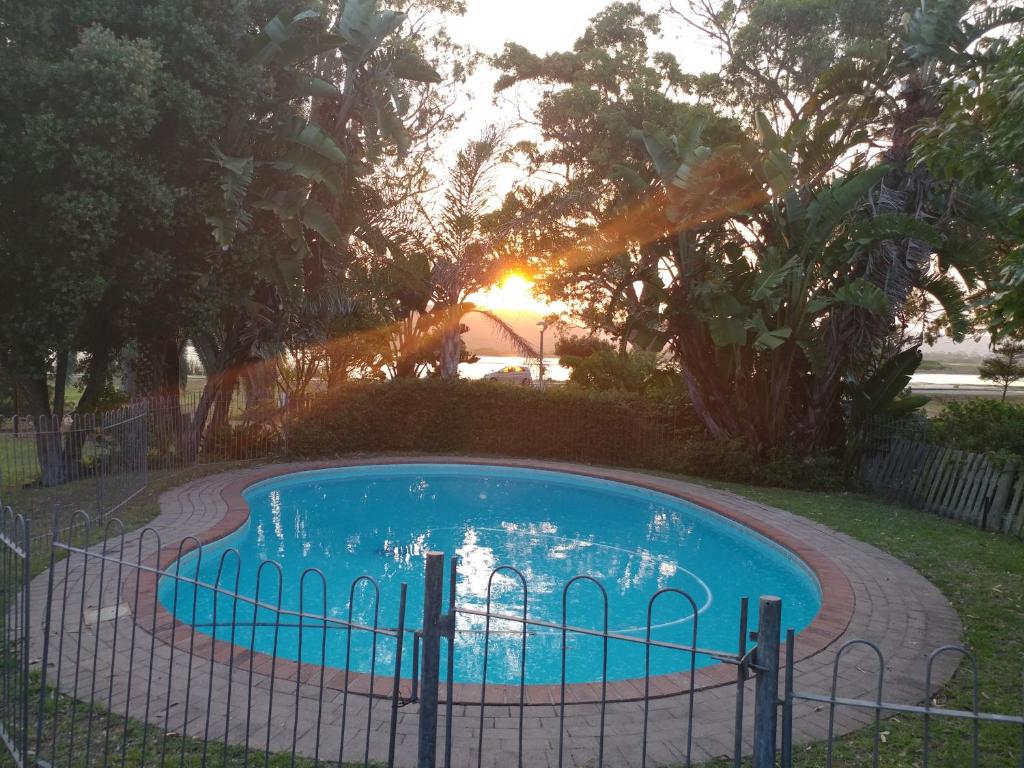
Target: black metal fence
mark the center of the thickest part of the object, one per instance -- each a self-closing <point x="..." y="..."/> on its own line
<point x="517" y="632"/>
<point x="830" y="704"/>
<point x="143" y="663"/>
<point x="98" y="455"/>
<point x="129" y="652"/>
<point x="133" y="656"/>
<point x="176" y="440"/>
<point x="15" y="620"/>
<point x="95" y="461"/>
<point x="99" y="462"/>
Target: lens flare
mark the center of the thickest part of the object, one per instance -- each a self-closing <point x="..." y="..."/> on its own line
<point x="514" y="294"/>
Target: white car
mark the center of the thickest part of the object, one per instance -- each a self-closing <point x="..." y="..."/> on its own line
<point x="511" y="374"/>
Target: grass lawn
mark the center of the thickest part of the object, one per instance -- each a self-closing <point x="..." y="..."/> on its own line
<point x="19" y="464"/>
<point x="981" y="573"/>
<point x="74" y="735"/>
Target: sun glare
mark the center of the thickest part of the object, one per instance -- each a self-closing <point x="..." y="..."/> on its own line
<point x="514" y="294"/>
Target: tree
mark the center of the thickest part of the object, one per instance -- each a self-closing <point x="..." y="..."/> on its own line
<point x="305" y="175"/>
<point x="782" y="58"/>
<point x="596" y="364"/>
<point x="786" y="256"/>
<point x="977" y="138"/>
<point x="418" y="283"/>
<point x="775" y="53"/>
<point x="173" y="172"/>
<point x="416" y="318"/>
<point x="462" y="259"/>
<point x="581" y="212"/>
<point x="109" y="112"/>
<point x="379" y="109"/>
<point x="935" y="42"/>
<point x="1005" y="366"/>
<point x="765" y="254"/>
<point x="106" y="116"/>
<point x="75" y="189"/>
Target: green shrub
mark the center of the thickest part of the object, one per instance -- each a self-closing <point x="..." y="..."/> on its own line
<point x="240" y="442"/>
<point x="486" y="417"/>
<point x="557" y="423"/>
<point x="981" y="426"/>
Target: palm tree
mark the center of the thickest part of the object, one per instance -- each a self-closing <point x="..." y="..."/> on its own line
<point x="419" y="322"/>
<point x="462" y="260"/>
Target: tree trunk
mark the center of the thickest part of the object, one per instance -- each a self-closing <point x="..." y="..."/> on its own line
<point x="337" y="371"/>
<point x="222" y="402"/>
<point x="60" y="384"/>
<point x="158" y="367"/>
<point x="258" y="381"/>
<point x="95" y="379"/>
<point x="221" y="374"/>
<point x="36" y="392"/>
<point x="49" y="452"/>
<point x="451" y="350"/>
<point x="407" y="352"/>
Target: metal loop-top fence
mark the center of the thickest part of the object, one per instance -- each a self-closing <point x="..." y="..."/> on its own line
<point x="518" y="627"/>
<point x="691" y="604"/>
<point x="96" y="461"/>
<point x="15" y="619"/>
<point x="174" y="658"/>
<point x="129" y="652"/>
<point x="604" y="664"/>
<point x="928" y="711"/>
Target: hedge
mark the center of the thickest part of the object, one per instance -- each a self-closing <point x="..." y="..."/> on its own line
<point x="558" y="423"/>
<point x="981" y="426"/>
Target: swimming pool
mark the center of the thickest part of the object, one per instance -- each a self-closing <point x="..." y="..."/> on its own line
<point x="380" y="520"/>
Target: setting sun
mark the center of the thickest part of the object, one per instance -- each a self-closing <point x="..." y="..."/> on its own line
<point x="515" y="294"/>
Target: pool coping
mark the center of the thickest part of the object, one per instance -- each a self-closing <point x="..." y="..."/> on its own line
<point x="837" y="605"/>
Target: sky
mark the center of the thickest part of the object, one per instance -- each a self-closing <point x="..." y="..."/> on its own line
<point x="541" y="25"/>
<point x="545" y="26"/>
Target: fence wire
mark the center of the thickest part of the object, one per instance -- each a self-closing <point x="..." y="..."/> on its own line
<point x="928" y="714"/>
<point x="143" y="662"/>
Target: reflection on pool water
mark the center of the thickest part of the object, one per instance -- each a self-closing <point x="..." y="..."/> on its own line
<point x="380" y="520"/>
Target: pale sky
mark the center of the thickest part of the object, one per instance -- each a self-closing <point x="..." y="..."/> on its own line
<point x="541" y="25"/>
<point x="544" y="26"/>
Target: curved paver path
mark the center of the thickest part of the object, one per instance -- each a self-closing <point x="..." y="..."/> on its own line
<point x="872" y="595"/>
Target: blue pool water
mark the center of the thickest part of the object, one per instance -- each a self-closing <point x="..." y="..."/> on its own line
<point x="379" y="520"/>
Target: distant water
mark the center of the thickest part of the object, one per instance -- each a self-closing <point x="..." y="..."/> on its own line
<point x="491" y="363"/>
<point x="952" y="380"/>
<point x="555" y="372"/>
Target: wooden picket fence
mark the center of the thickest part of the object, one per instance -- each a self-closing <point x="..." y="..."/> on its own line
<point x="984" y="491"/>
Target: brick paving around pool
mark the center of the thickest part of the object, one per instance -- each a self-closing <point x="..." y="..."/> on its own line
<point x="866" y="594"/>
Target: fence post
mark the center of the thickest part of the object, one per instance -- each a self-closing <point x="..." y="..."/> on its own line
<point x="1000" y="507"/>
<point x="787" y="702"/>
<point x="26" y="589"/>
<point x="766" y="689"/>
<point x="430" y="669"/>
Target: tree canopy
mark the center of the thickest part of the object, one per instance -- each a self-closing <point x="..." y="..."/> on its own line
<point x="269" y="183"/>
